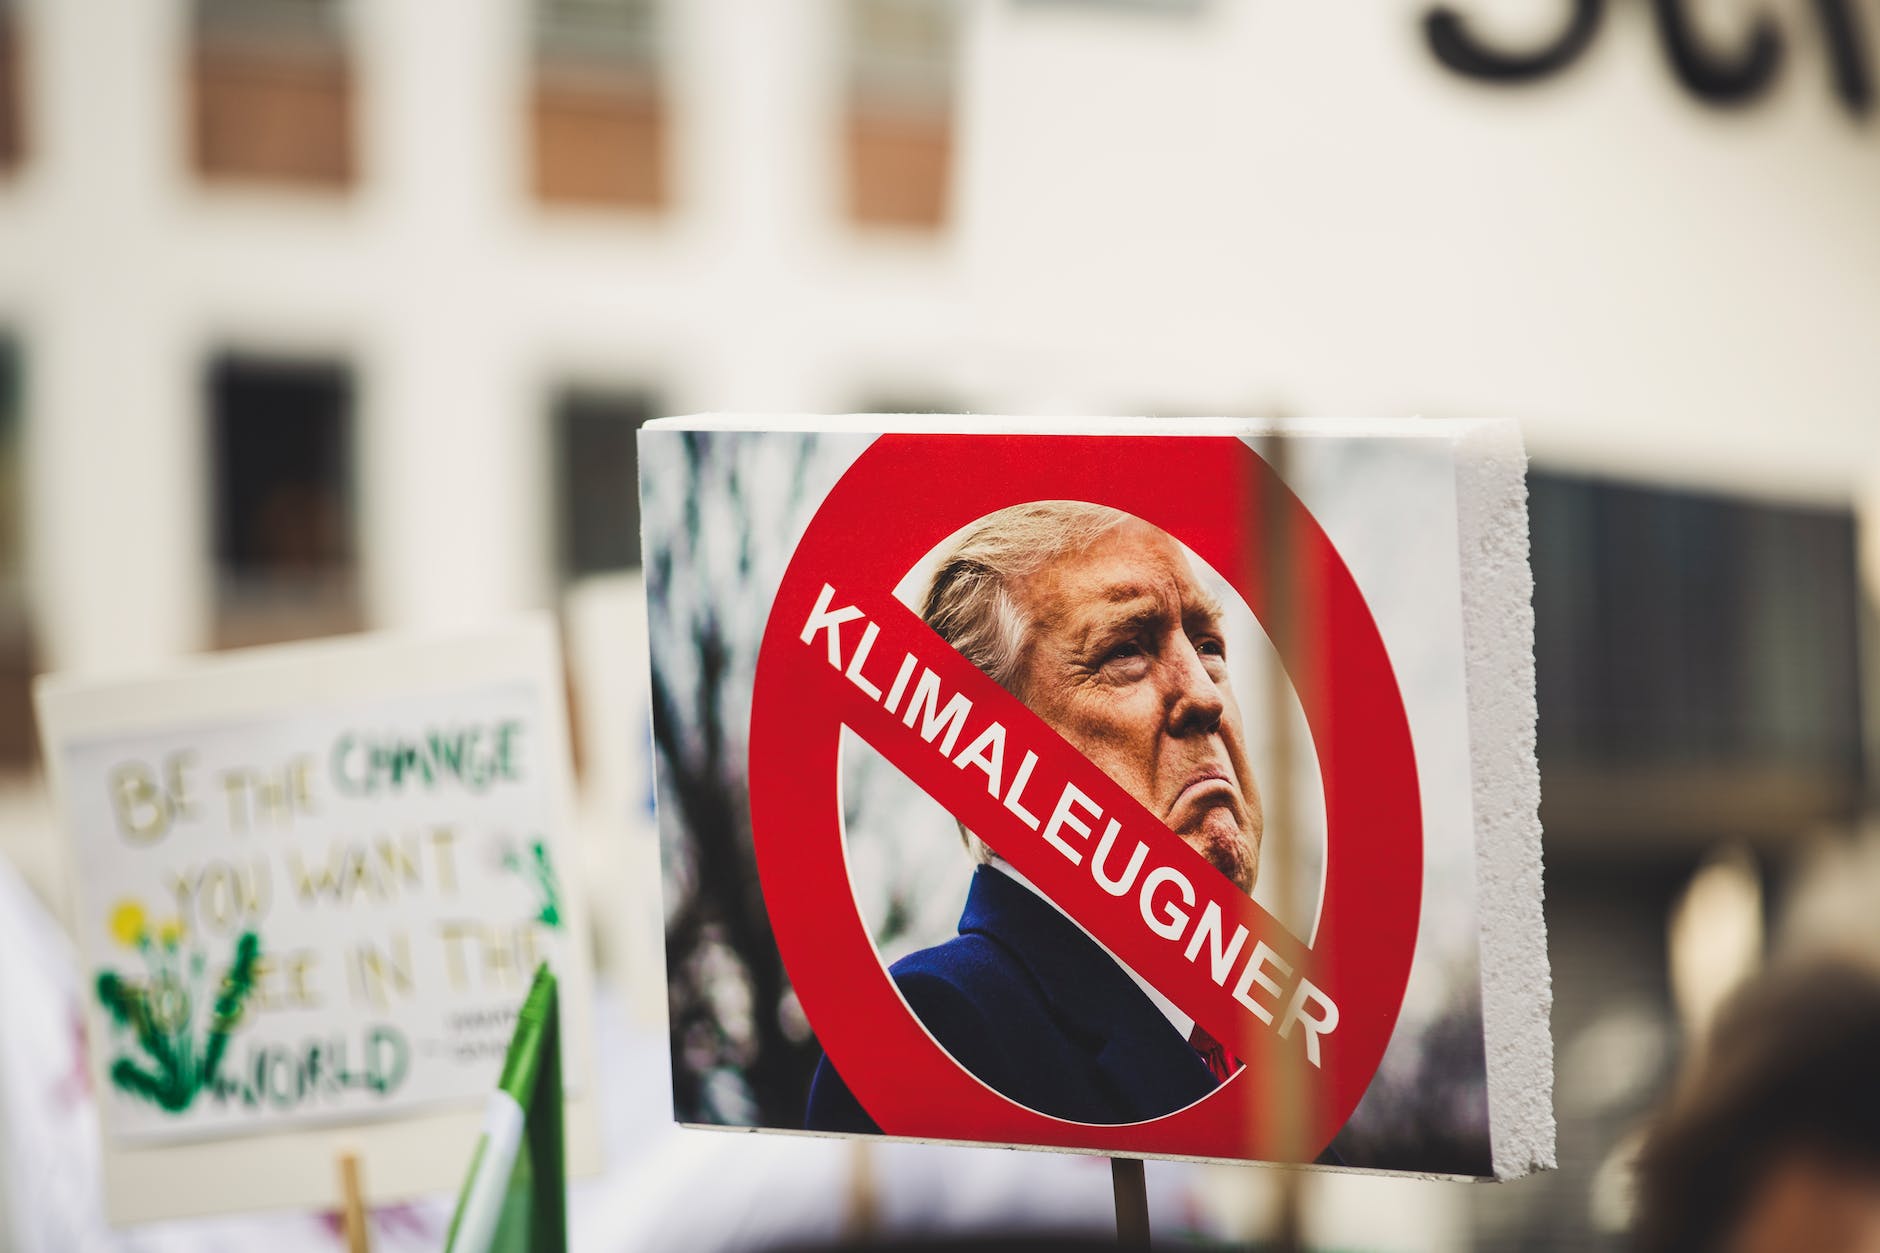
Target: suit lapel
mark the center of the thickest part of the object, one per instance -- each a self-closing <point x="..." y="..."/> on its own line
<point x="1138" y="1052"/>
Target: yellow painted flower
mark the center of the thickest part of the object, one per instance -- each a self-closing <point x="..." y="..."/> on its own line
<point x="171" y="932"/>
<point x="128" y="924"/>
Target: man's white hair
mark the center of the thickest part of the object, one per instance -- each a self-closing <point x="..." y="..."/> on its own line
<point x="972" y="601"/>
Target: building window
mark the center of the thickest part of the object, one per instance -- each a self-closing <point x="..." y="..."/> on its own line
<point x="597" y="112"/>
<point x="281" y="438"/>
<point x="271" y="93"/>
<point x="901" y="60"/>
<point x="12" y="406"/>
<point x="597" y="480"/>
<point x="12" y="92"/>
<point x="17" y="661"/>
<point x="1696" y="660"/>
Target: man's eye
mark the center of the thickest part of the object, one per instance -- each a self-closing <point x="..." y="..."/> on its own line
<point x="1208" y="646"/>
<point x="1124" y="651"/>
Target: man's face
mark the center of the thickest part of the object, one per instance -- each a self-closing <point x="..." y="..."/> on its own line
<point x="1127" y="661"/>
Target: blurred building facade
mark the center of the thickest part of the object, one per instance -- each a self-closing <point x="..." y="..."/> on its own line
<point x="318" y="316"/>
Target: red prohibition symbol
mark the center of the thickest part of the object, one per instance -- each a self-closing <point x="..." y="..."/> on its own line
<point x="1313" y="1045"/>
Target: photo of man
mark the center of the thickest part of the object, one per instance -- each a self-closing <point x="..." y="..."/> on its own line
<point x="1097" y="621"/>
<point x="1145" y="659"/>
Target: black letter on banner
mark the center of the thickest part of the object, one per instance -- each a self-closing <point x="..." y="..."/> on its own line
<point x="1455" y="47"/>
<point x="1715" y="81"/>
<point x="1846" y="54"/>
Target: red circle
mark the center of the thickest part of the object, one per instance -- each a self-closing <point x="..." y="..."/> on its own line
<point x="900" y="498"/>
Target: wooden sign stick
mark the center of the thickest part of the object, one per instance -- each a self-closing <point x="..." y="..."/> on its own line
<point x="860" y="1218"/>
<point x="1282" y="810"/>
<point x="353" y="1205"/>
<point x="1132" y="1202"/>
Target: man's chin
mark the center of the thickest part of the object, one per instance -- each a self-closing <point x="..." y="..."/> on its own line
<point x="1227" y="848"/>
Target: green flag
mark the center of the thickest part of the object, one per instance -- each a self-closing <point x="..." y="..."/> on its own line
<point x="514" y="1199"/>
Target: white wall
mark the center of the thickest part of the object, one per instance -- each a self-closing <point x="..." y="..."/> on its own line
<point x="1222" y="207"/>
<point x="1296" y="206"/>
<point x="460" y="305"/>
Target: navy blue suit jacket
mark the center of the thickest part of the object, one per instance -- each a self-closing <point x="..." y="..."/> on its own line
<point x="1026" y="1001"/>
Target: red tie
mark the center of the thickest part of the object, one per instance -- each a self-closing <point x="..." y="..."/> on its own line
<point x="1221" y="1063"/>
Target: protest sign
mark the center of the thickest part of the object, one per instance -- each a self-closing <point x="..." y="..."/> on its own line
<point x="1243" y="930"/>
<point x="313" y="884"/>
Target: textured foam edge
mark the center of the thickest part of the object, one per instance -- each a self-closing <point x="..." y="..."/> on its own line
<point x="1498" y="642"/>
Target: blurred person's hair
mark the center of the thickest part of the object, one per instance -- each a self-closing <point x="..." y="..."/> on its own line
<point x="1790" y="1072"/>
<point x="971" y="601"/>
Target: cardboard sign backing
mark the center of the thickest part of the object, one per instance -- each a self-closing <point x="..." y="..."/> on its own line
<point x="1321" y="947"/>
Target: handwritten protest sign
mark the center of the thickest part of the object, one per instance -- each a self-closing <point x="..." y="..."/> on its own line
<point x="312" y="886"/>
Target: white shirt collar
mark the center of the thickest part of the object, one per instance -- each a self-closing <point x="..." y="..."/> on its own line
<point x="1183" y="1024"/>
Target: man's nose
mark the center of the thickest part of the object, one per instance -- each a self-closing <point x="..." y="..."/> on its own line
<point x="1193" y="698"/>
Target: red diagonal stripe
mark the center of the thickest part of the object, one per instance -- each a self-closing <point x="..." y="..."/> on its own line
<point x="1115" y="921"/>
